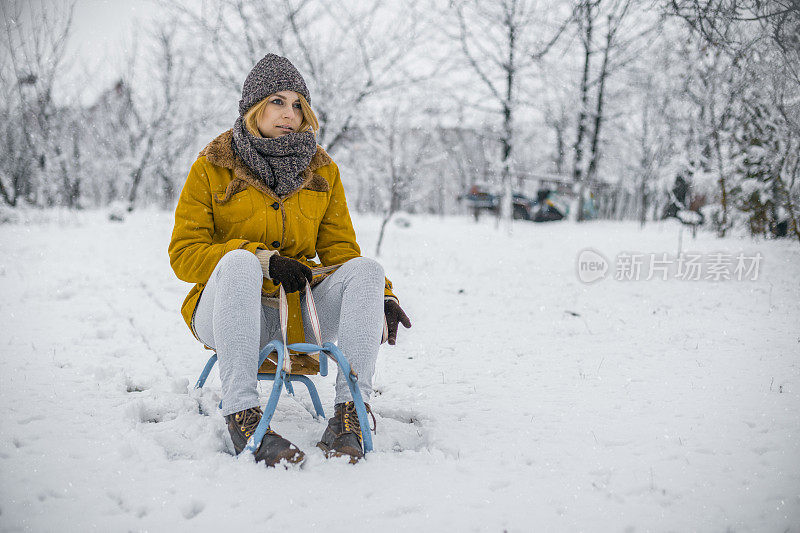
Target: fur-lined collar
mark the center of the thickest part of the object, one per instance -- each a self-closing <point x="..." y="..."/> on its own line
<point x="220" y="153"/>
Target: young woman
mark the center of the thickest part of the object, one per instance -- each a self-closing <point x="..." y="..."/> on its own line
<point x="259" y="204"/>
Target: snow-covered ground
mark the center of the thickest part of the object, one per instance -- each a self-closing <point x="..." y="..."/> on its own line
<point x="522" y="399"/>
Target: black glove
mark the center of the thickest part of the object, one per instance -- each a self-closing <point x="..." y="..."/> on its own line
<point x="394" y="314"/>
<point x="288" y="272"/>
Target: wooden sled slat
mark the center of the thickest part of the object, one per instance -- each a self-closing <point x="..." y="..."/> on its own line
<point x="302" y="364"/>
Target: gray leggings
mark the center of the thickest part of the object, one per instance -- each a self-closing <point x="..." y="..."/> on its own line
<point x="231" y="319"/>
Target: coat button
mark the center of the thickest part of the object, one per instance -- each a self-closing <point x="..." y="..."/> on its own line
<point x="276" y="206"/>
<point x="275" y="244"/>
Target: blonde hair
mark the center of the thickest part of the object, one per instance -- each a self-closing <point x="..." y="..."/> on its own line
<point x="310" y="121"/>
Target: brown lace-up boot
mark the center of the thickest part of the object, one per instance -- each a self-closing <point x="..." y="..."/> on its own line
<point x="273" y="447"/>
<point x="343" y="436"/>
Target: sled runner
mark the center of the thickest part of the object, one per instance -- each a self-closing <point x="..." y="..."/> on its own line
<point x="276" y="364"/>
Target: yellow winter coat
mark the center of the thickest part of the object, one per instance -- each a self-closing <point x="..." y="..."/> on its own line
<point x="224" y="206"/>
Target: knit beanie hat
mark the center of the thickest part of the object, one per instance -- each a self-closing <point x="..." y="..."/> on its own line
<point x="270" y="75"/>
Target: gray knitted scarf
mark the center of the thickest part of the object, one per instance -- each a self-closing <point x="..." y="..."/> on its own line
<point x="278" y="162"/>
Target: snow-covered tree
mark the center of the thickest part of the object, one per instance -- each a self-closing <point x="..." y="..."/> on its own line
<point x="39" y="155"/>
<point x="502" y="42"/>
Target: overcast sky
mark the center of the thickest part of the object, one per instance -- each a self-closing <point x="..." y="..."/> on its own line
<point x="102" y="33"/>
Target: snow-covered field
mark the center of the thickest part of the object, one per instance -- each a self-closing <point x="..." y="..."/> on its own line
<point x="522" y="399"/>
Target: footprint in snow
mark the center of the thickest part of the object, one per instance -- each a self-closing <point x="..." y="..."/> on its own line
<point x="400" y="430"/>
<point x="192" y="508"/>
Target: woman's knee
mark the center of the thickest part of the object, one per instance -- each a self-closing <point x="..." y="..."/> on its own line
<point x="241" y="264"/>
<point x="366" y="268"/>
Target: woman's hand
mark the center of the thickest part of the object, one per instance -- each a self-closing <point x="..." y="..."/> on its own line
<point x="394" y="314"/>
<point x="290" y="273"/>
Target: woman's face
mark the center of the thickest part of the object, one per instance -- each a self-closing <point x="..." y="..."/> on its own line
<point x="281" y="115"/>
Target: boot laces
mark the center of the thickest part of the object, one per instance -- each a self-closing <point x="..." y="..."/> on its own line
<point x="248" y="420"/>
<point x="351" y="422"/>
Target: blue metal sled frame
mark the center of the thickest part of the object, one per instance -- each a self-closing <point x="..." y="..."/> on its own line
<point x="281" y="379"/>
